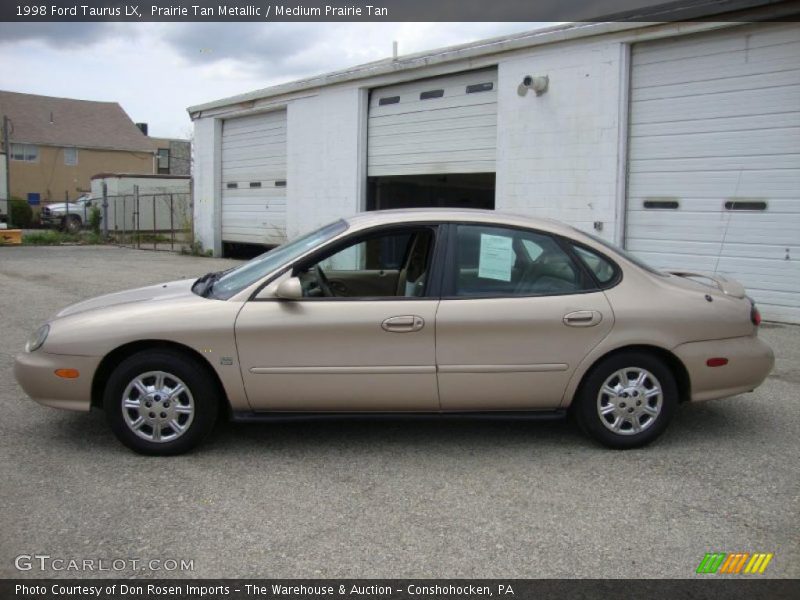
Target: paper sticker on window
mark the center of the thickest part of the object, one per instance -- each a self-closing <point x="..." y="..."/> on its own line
<point x="497" y="257"/>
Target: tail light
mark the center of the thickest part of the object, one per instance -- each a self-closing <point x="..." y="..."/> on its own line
<point x="755" y="316"/>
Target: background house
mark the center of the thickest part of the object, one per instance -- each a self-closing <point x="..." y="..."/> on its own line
<point x="678" y="141"/>
<point x="58" y="144"/>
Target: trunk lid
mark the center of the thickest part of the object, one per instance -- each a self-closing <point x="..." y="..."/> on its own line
<point x="729" y="287"/>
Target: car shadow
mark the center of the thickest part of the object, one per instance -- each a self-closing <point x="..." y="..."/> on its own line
<point x="714" y="421"/>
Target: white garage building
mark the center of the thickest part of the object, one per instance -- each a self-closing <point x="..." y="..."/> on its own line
<point x="680" y="142"/>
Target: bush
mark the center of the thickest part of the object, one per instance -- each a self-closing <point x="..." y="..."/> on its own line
<point x="95" y="217"/>
<point x="21" y="213"/>
<point x="48" y="238"/>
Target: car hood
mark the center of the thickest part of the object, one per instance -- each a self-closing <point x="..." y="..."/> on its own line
<point x="62" y="206"/>
<point x="180" y="288"/>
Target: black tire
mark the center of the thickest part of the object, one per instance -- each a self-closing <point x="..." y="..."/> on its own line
<point x="588" y="402"/>
<point x="71" y="224"/>
<point x="181" y="368"/>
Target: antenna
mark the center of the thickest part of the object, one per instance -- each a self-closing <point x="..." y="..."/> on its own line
<point x="728" y="224"/>
<point x="394" y="50"/>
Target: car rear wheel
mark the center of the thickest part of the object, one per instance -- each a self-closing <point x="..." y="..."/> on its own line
<point x="161" y="402"/>
<point x="627" y="400"/>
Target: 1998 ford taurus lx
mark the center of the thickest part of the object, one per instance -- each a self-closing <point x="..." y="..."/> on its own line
<point x="413" y="312"/>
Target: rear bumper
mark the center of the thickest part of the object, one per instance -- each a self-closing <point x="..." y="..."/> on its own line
<point x="750" y="360"/>
<point x="35" y="373"/>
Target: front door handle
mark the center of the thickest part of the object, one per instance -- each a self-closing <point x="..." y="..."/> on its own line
<point x="583" y="318"/>
<point x="403" y="324"/>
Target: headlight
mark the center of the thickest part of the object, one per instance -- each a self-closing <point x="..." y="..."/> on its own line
<point x="37" y="338"/>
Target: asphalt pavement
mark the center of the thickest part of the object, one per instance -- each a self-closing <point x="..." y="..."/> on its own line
<point x="380" y="499"/>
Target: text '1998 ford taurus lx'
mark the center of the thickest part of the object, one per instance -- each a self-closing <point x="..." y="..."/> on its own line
<point x="408" y="313"/>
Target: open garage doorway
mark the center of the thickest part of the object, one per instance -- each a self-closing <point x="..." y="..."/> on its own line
<point x="454" y="190"/>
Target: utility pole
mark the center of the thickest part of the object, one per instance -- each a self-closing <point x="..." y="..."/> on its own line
<point x="105" y="210"/>
<point x="7" y="148"/>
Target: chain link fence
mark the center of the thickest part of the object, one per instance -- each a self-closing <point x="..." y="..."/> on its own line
<point x="151" y="221"/>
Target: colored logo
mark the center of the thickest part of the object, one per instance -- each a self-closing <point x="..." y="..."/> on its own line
<point x="734" y="563"/>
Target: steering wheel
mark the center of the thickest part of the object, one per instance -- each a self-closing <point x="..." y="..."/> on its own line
<point x="322" y="281"/>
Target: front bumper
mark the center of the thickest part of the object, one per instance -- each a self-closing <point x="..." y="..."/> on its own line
<point x="35" y="373"/>
<point x="51" y="219"/>
<point x="750" y="360"/>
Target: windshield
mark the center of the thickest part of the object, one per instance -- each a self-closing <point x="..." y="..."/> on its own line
<point x="624" y="253"/>
<point x="236" y="280"/>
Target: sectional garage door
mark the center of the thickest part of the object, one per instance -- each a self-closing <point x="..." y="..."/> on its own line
<point x="714" y="158"/>
<point x="434" y="126"/>
<point x="254" y="179"/>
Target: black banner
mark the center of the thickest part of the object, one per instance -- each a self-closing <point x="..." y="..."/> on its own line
<point x="390" y="10"/>
<point x="401" y="589"/>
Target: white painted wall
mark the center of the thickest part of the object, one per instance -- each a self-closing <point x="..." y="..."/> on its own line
<point x="207" y="181"/>
<point x="325" y="163"/>
<point x="557" y="153"/>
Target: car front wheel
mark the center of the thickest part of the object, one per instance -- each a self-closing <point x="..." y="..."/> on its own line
<point x="71" y="224"/>
<point x="161" y="402"/>
<point x="627" y="400"/>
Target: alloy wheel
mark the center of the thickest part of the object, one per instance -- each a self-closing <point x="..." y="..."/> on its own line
<point x="157" y="406"/>
<point x="630" y="401"/>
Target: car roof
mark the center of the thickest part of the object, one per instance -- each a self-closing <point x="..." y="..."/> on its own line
<point x="415" y="215"/>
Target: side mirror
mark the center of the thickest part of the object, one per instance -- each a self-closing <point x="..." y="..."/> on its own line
<point x="290" y="289"/>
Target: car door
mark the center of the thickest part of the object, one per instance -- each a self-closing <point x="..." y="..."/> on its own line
<point x="337" y="349"/>
<point x="518" y="314"/>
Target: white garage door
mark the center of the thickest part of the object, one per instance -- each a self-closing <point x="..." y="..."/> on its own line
<point x="714" y="158"/>
<point x="432" y="126"/>
<point x="254" y="179"/>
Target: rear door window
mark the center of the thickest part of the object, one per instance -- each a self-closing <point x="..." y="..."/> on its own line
<point x="498" y="261"/>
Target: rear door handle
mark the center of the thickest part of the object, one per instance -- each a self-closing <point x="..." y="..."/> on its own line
<point x="403" y="324"/>
<point x="582" y="318"/>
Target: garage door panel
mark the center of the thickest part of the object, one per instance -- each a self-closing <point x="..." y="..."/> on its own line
<point x="379" y="131"/>
<point x="761" y="184"/>
<point x="713" y="66"/>
<point x="438" y="168"/>
<point x="757" y="81"/>
<point x="248" y="197"/>
<point x="678" y="48"/>
<point x="711" y="164"/>
<point x="733" y="249"/>
<point x="709" y="205"/>
<point x="741" y="124"/>
<point x="454" y="133"/>
<point x="659" y="77"/>
<point x="409" y="157"/>
<point x="246" y="144"/>
<point x="276" y="163"/>
<point x="727" y="104"/>
<point x="783" y="140"/>
<point x="733" y="225"/>
<point x="483" y="103"/>
<point x="456" y="141"/>
<point x="254" y="151"/>
<point x="715" y="117"/>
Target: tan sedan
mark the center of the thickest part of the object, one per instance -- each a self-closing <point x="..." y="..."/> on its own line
<point x="407" y="313"/>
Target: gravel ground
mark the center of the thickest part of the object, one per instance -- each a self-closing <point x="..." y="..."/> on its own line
<point x="384" y="499"/>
